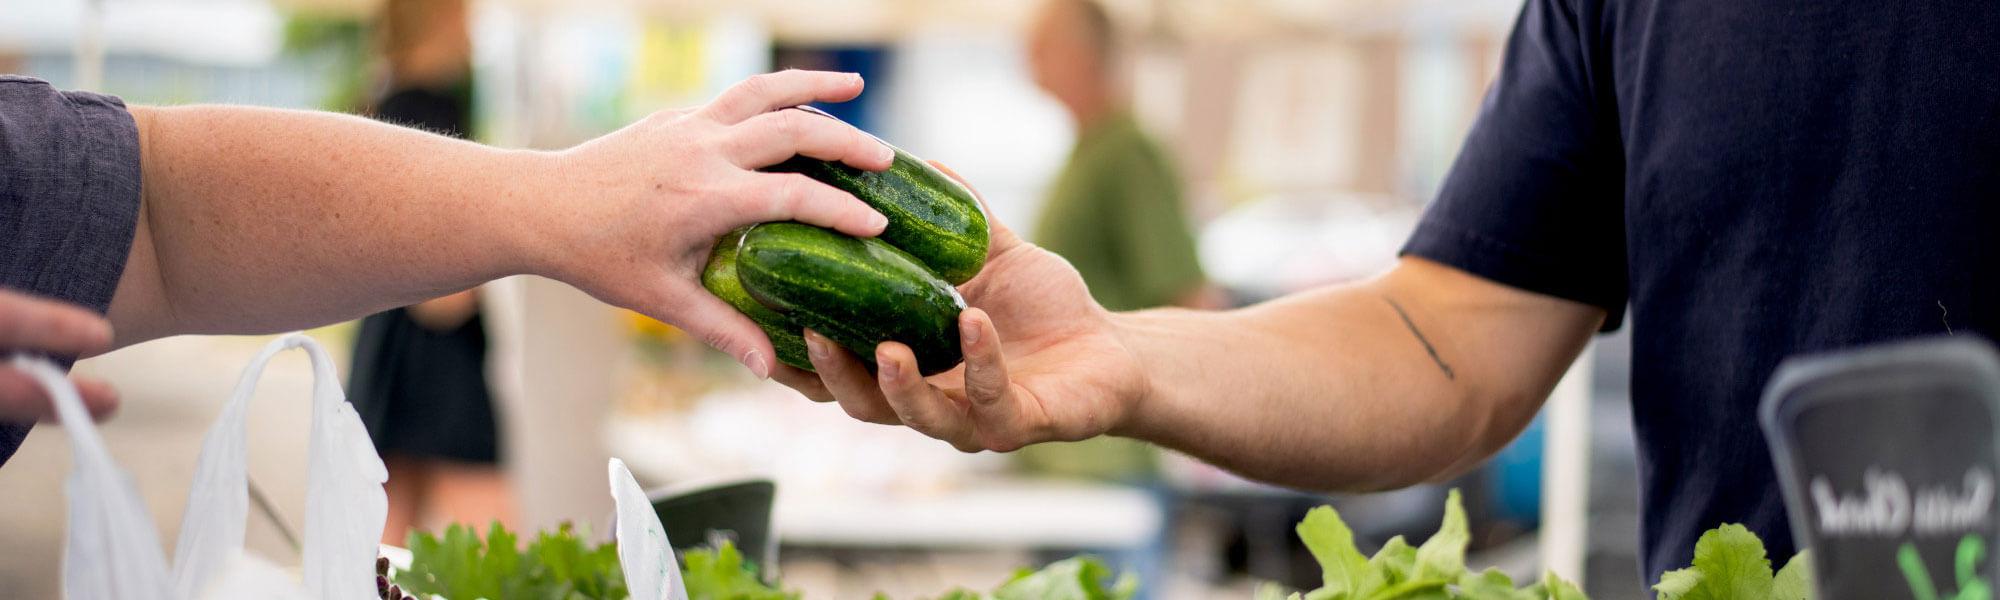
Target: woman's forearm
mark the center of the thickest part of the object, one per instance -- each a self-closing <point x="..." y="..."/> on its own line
<point x="263" y="220"/>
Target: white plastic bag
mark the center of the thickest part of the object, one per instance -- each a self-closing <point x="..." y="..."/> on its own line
<point x="113" y="553"/>
<point x="651" y="570"/>
<point x="345" y="504"/>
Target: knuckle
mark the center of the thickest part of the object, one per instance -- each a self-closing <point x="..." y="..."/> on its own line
<point x="718" y="340"/>
<point x="760" y="201"/>
<point x="788" y="127"/>
<point x="761" y="84"/>
<point x="861" y="412"/>
<point x="1002" y="439"/>
<point x="921" y="423"/>
<point x="791" y="190"/>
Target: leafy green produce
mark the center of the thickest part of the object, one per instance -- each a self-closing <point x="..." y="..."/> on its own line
<point x="1730" y="564"/>
<point x="1433" y="571"/>
<point x="721" y="574"/>
<point x="1078" y="578"/>
<point x="557" y="565"/>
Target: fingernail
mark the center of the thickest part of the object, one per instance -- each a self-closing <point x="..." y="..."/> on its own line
<point x="887" y="154"/>
<point x="877" y="222"/>
<point x="815" y="347"/>
<point x="890" y="370"/>
<point x="969" y="329"/>
<point x="758" y="366"/>
<point x="854" y="76"/>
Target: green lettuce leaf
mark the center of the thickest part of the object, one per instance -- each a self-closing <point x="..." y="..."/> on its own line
<point x="1794" y="582"/>
<point x="1343" y="569"/>
<point x="721" y="574"/>
<point x="1079" y="578"/>
<point x="1395" y="563"/>
<point x="1556" y="589"/>
<point x="1729" y="564"/>
<point x="1442" y="558"/>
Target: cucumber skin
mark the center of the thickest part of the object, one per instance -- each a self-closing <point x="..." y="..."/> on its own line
<point x="931" y="216"/>
<point x="720" y="278"/>
<point x="856" y="292"/>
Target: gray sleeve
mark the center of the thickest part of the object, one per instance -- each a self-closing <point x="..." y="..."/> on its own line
<point x="69" y="191"/>
<point x="69" y="198"/>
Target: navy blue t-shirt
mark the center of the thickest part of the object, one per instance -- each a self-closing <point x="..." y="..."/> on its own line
<point x="1755" y="180"/>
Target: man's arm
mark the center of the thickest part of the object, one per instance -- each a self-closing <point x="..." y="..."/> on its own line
<point x="260" y="220"/>
<point x="1415" y="375"/>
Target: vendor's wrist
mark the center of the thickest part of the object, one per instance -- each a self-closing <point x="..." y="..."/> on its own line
<point x="1142" y="396"/>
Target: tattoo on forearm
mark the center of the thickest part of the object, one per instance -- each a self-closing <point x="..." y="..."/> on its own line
<point x="1412" y="325"/>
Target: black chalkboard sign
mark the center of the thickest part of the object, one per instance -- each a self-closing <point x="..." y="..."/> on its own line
<point x="1888" y="461"/>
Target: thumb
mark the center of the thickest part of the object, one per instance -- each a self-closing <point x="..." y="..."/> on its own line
<point x="986" y="381"/>
<point x="717" y="324"/>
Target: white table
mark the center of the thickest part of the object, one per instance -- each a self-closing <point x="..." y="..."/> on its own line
<point x="988" y="514"/>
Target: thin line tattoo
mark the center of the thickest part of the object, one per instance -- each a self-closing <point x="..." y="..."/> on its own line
<point x="1412" y="325"/>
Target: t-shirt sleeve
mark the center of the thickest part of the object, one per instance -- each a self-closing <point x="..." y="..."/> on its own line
<point x="1535" y="200"/>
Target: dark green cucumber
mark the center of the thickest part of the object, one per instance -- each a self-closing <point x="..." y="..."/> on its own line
<point x="720" y="279"/>
<point x="931" y="216"/>
<point x="856" y="292"/>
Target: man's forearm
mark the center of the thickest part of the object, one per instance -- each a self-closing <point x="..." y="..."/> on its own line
<point x="262" y="220"/>
<point x="1360" y="387"/>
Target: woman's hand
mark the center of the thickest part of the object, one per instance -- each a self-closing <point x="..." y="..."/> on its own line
<point x="1042" y="362"/>
<point x="650" y="200"/>
<point x="37" y="326"/>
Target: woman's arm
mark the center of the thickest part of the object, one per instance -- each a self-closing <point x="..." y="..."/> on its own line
<point x="260" y="220"/>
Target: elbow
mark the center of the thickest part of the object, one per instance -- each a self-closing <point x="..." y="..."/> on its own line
<point x="1496" y="420"/>
<point x="1475" y="428"/>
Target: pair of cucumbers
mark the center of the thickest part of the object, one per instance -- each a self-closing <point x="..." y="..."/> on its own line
<point x="860" y="292"/>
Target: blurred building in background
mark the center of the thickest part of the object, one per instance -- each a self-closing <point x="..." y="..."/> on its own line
<point x="1310" y="134"/>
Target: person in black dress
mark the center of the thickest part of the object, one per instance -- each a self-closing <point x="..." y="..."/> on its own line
<point x="419" y="378"/>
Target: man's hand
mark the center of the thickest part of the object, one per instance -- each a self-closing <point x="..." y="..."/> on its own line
<point x="37" y="326"/>
<point x="1415" y="375"/>
<point x="1063" y="374"/>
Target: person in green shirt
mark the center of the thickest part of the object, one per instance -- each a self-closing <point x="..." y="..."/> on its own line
<point x="1115" y="212"/>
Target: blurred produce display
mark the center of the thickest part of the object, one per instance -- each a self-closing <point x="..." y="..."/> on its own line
<point x="1729" y="564"/>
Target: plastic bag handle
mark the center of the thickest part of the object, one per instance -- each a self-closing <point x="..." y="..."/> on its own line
<point x="345" y="504"/>
<point x="111" y="551"/>
<point x="652" y="572"/>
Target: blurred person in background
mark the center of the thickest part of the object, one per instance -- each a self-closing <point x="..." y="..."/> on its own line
<point x="122" y="224"/>
<point x="1116" y="210"/>
<point x="419" y="379"/>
